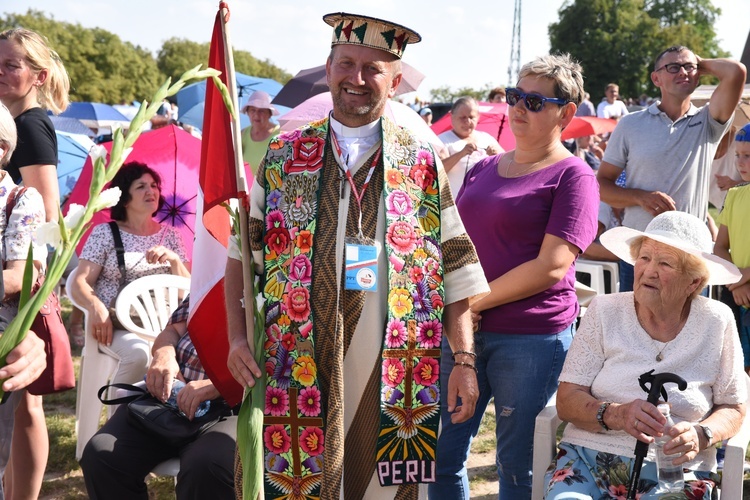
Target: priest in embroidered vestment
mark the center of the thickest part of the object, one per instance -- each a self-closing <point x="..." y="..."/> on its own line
<point x="366" y="269"/>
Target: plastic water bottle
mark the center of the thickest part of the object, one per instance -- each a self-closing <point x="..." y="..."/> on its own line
<point x="177" y="386"/>
<point x="671" y="477"/>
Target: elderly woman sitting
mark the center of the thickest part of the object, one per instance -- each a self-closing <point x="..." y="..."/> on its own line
<point x="662" y="325"/>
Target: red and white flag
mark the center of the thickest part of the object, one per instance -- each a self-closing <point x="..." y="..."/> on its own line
<point x="207" y="322"/>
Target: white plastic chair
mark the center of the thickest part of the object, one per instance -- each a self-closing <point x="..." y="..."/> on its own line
<point x="596" y="269"/>
<point x="545" y="448"/>
<point x="96" y="369"/>
<point x="153" y="298"/>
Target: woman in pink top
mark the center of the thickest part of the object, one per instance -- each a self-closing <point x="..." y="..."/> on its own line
<point x="538" y="207"/>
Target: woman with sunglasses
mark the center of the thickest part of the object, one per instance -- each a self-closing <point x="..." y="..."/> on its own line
<point x="538" y="206"/>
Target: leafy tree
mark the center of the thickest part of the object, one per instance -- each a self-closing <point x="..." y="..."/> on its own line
<point x="177" y="55"/>
<point x="101" y="67"/>
<point x="617" y="40"/>
<point x="448" y="94"/>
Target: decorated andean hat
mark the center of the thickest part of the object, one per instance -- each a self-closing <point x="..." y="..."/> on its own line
<point x="355" y="29"/>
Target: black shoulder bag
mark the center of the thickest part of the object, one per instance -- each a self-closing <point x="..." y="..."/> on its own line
<point x="164" y="421"/>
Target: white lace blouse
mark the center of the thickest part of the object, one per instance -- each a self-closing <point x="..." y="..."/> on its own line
<point x="611" y="350"/>
<point x="100" y="249"/>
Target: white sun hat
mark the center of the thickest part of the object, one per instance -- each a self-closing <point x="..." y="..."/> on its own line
<point x="679" y="230"/>
<point x="260" y="100"/>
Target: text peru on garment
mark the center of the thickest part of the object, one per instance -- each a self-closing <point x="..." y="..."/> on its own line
<point x="406" y="471"/>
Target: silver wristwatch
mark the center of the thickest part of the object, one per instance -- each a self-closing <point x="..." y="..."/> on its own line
<point x="708" y="433"/>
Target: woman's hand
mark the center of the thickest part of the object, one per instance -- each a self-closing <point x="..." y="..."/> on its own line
<point x="476" y="320"/>
<point x="193" y="394"/>
<point x="685" y="443"/>
<point x="638" y="418"/>
<point x="161" y="255"/>
<point x="101" y="324"/>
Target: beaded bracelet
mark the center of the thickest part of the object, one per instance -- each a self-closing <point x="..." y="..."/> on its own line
<point x="467" y="353"/>
<point x="468" y="365"/>
<point x="600" y="415"/>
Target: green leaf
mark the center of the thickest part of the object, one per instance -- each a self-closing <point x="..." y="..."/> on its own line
<point x="28" y="276"/>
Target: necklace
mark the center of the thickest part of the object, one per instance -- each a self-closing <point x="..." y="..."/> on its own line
<point x="659" y="355"/>
<point x="525" y="170"/>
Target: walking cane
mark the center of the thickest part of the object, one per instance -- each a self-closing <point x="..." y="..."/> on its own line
<point x="657" y="382"/>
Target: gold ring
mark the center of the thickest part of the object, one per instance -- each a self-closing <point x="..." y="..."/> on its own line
<point x="635" y="425"/>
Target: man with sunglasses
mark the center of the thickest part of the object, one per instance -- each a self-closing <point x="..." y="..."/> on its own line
<point x="666" y="150"/>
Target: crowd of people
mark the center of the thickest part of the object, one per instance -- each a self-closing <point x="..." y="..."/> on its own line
<point x="405" y="289"/>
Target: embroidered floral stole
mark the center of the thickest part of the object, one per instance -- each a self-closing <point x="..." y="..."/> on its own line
<point x="293" y="429"/>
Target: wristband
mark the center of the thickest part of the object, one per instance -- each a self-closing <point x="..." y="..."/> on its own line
<point x="600" y="415"/>
<point x="467" y="353"/>
<point x="467" y="365"/>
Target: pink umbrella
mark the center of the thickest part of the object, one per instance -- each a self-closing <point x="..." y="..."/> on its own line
<point x="493" y="119"/>
<point x="318" y="106"/>
<point x="581" y="126"/>
<point x="175" y="155"/>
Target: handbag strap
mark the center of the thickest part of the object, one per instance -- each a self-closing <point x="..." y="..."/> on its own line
<point x="120" y="249"/>
<point x="12" y="199"/>
<point x="125" y="399"/>
<point x="10" y="204"/>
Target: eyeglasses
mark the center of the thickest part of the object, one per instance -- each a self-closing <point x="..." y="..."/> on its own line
<point x="675" y="67"/>
<point x="533" y="102"/>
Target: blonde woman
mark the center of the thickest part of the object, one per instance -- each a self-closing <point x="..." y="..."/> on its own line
<point x="32" y="81"/>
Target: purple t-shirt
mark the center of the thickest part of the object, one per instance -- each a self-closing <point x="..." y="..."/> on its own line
<point x="507" y="220"/>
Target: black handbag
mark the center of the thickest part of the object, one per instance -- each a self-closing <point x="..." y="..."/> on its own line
<point x="164" y="421"/>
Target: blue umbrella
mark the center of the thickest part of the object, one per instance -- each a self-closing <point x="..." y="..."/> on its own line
<point x="70" y="125"/>
<point x="191" y="99"/>
<point x="96" y="115"/>
<point x="72" y="151"/>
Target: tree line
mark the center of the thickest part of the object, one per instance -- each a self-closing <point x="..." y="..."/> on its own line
<point x="617" y="41"/>
<point x="104" y="68"/>
<point x="614" y="40"/>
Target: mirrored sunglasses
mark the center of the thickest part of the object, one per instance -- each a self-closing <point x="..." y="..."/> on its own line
<point x="533" y="102"/>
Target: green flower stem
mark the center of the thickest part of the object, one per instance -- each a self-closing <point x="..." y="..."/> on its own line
<point x="29" y="306"/>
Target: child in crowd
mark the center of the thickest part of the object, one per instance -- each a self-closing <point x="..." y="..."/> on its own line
<point x="732" y="242"/>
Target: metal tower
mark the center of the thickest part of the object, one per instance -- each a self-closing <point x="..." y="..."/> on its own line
<point x="515" y="46"/>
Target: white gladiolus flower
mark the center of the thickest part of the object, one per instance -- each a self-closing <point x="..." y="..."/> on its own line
<point x="109" y="197"/>
<point x="97" y="152"/>
<point x="75" y="212"/>
<point x="49" y="234"/>
<point x="125" y="153"/>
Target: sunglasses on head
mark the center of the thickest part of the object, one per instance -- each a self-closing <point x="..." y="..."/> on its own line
<point x="675" y="67"/>
<point x="533" y="102"/>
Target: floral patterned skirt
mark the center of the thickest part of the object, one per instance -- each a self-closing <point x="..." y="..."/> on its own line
<point x="579" y="472"/>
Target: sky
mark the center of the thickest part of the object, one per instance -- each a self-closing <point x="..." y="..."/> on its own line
<point x="465" y="43"/>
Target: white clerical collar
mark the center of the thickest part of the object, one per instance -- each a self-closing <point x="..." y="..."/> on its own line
<point x="367" y="130"/>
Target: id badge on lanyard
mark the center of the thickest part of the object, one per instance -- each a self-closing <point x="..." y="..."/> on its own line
<point x="361" y="267"/>
<point x="361" y="253"/>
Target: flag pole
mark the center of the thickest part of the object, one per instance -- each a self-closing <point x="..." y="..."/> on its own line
<point x="247" y="274"/>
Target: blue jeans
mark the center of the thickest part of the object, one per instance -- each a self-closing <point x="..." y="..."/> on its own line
<point x="520" y="372"/>
<point x="745" y="334"/>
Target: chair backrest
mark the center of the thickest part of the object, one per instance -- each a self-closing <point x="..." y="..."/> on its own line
<point x="153" y="299"/>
